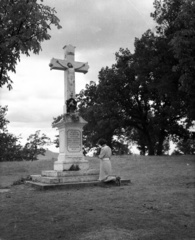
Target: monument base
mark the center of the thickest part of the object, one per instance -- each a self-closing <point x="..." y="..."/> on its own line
<point x="59" y="177"/>
<point x="72" y="185"/>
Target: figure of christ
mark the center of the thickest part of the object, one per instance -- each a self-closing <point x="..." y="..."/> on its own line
<point x="71" y="81"/>
<point x="70" y="78"/>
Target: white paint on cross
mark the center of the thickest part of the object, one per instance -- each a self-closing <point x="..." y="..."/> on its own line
<point x="69" y="66"/>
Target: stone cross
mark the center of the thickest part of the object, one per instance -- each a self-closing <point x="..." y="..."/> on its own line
<point x="69" y="66"/>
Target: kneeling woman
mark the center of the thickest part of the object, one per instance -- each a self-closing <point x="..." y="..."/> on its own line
<point x="105" y="164"/>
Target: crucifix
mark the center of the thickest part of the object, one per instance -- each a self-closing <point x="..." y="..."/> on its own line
<point x="69" y="66"/>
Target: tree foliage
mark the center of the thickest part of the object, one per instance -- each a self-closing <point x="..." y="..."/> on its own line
<point x="186" y="145"/>
<point x="34" y="145"/>
<point x="24" y="24"/>
<point x="176" y="24"/>
<point x="128" y="101"/>
<point x="3" y="120"/>
<point x="142" y="95"/>
<point x="10" y="147"/>
<point x="101" y="118"/>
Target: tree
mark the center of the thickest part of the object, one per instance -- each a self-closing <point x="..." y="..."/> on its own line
<point x="56" y="141"/>
<point x="160" y="89"/>
<point x="120" y="146"/>
<point x="151" y="92"/>
<point x="183" y="44"/>
<point x="24" y="24"/>
<point x="3" y="120"/>
<point x="186" y="145"/>
<point x="138" y="93"/>
<point x="101" y="118"/>
<point x="176" y="24"/>
<point x="10" y="148"/>
<point x="34" y="146"/>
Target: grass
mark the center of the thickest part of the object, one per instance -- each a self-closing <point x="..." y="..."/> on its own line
<point x="159" y="204"/>
<point x="13" y="171"/>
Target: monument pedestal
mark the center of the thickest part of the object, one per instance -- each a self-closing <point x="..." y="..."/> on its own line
<point x="71" y="166"/>
<point x="71" y="144"/>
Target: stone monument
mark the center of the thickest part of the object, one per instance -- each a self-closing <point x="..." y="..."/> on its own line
<point x="71" y="126"/>
<point x="71" y="169"/>
<point x="71" y="165"/>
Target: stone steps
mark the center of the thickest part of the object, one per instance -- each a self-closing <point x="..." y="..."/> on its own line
<point x="53" y="173"/>
<point x="72" y="185"/>
<point x="57" y="177"/>
<point x="67" y="179"/>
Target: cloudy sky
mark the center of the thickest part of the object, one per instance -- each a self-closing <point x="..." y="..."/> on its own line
<point x="97" y="28"/>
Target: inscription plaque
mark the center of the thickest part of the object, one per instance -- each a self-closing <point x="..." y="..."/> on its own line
<point x="74" y="140"/>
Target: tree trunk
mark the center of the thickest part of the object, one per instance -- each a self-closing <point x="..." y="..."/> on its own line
<point x="151" y="149"/>
<point x="150" y="146"/>
<point x="143" y="150"/>
<point x="160" y="143"/>
<point x="159" y="151"/>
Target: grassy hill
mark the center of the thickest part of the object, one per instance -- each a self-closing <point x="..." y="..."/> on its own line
<point x="157" y="205"/>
